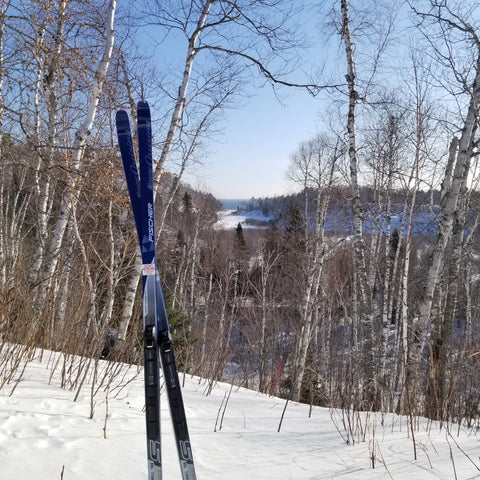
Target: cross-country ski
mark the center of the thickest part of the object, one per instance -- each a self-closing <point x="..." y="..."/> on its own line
<point x="158" y="346"/>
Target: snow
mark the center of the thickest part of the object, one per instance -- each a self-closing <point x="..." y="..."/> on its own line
<point x="229" y="219"/>
<point x="43" y="433"/>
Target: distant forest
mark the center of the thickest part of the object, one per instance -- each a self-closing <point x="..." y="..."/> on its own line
<point x="276" y="207"/>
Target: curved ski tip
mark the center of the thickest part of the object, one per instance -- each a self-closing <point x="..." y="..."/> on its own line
<point x="122" y="121"/>
<point x="121" y="114"/>
<point x="142" y="104"/>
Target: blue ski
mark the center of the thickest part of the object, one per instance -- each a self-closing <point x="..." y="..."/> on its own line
<point x="157" y="340"/>
<point x="151" y="353"/>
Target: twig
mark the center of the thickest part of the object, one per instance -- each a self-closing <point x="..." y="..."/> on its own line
<point x="283" y="414"/>
<point x="464" y="452"/>
<point x="345" y="439"/>
<point x="106" y="412"/>
<point x="225" y="406"/>
<point x="373" y="444"/>
<point x="412" y="429"/>
<point x="451" y="458"/>
<point x="383" y="461"/>
<point x="218" y="413"/>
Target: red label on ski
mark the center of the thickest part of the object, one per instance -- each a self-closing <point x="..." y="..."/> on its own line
<point x="148" y="269"/>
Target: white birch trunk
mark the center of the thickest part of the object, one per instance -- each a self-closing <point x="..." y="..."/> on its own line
<point x="3" y="250"/>
<point x="3" y="239"/>
<point x="62" y="299"/>
<point x="43" y="181"/>
<point x="267" y="262"/>
<point x="263" y="328"/>
<point x="111" y="267"/>
<point x="448" y="207"/>
<point x="206" y="318"/>
<point x="193" y="265"/>
<point x="359" y="248"/>
<point x="387" y="290"/>
<point x="92" y="307"/>
<point x="468" y="282"/>
<point x="129" y="298"/>
<point x="69" y="197"/>
<point x="313" y="280"/>
<point x="14" y="209"/>
<point x="468" y="305"/>
<point x="182" y="91"/>
<point x="405" y="352"/>
<point x="178" y="279"/>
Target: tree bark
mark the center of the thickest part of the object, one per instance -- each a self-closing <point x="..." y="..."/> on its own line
<point x="69" y="199"/>
<point x="446" y="216"/>
<point x="364" y="291"/>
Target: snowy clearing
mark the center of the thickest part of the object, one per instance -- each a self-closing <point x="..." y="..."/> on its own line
<point x="44" y="435"/>
<point x="229" y="219"/>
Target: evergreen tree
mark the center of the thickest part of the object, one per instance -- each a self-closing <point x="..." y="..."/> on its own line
<point x="295" y="221"/>
<point x="187" y="203"/>
<point x="272" y="238"/>
<point x="240" y="242"/>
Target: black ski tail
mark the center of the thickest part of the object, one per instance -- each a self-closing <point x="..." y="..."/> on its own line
<point x="152" y="403"/>
<point x="177" y="409"/>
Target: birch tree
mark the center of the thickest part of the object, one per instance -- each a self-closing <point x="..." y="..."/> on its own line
<point x="314" y="164"/>
<point x="359" y="92"/>
<point x="263" y="281"/>
<point x="453" y="25"/>
<point x="5" y="235"/>
<point x="385" y="153"/>
<point x="359" y="246"/>
<point x="78" y="149"/>
<point x="52" y="66"/>
<point x="420" y="151"/>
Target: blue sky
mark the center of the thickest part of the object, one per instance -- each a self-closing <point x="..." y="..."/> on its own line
<point x="251" y="156"/>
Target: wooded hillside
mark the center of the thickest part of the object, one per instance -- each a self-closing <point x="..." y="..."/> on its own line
<point x="363" y="291"/>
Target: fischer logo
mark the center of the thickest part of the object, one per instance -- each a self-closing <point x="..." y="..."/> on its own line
<point x="151" y="227"/>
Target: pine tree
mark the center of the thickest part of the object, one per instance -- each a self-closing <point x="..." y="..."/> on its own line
<point x="240" y="242"/>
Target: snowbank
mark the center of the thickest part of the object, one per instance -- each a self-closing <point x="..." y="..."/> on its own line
<point x="43" y="433"/>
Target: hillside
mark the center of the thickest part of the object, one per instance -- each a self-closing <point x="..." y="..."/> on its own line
<point x="44" y="434"/>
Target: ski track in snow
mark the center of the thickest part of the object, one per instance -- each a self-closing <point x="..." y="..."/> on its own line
<point x="42" y="430"/>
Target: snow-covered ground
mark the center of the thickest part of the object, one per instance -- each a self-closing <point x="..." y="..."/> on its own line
<point x="45" y="435"/>
<point x="229" y="219"/>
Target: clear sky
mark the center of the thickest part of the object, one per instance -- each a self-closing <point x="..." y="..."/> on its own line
<point x="252" y="154"/>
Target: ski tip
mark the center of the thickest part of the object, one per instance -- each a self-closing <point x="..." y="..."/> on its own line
<point x="121" y="115"/>
<point x="123" y="123"/>
<point x="143" y="115"/>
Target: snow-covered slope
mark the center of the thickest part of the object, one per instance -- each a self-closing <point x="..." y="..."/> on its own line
<point x="43" y="433"/>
